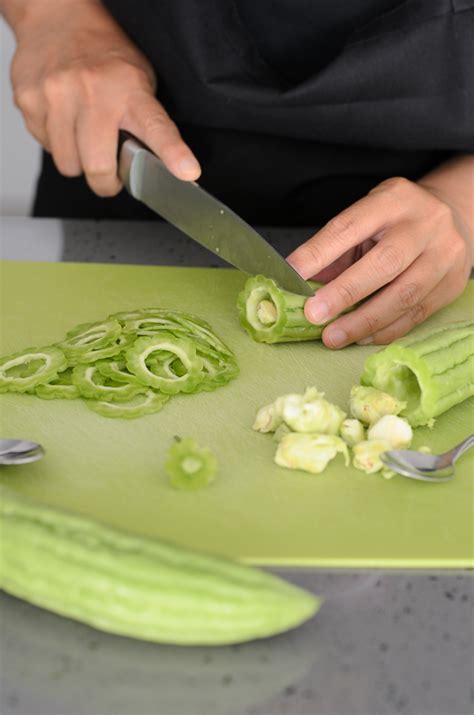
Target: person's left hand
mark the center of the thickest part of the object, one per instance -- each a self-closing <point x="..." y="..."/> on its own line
<point x="403" y="245"/>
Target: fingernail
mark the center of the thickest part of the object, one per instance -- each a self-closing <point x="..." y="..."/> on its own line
<point x="318" y="312"/>
<point x="366" y="341"/>
<point x="189" y="167"/>
<point x="336" y="337"/>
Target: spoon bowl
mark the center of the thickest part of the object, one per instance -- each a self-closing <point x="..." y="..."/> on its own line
<point x="19" y="451"/>
<point x="426" y="467"/>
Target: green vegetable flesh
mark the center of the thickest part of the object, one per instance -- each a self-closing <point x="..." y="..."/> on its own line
<point x="135" y="586"/>
<point x="430" y="373"/>
<point x="272" y="315"/>
<point x="62" y="388"/>
<point x="189" y="466"/>
<point x="90" y="336"/>
<point x="91" y="384"/>
<point x="93" y="363"/>
<point x="162" y="377"/>
<point x="147" y="403"/>
<point x="25" y="370"/>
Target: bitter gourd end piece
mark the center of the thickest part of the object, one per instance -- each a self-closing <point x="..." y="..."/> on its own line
<point x="190" y="466"/>
<point x="431" y="372"/>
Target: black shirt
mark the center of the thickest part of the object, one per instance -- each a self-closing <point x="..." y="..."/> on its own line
<point x="294" y="108"/>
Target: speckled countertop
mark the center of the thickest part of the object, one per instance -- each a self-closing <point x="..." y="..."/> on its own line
<point x="384" y="642"/>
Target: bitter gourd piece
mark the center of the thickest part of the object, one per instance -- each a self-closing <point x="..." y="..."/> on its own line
<point x="87" y="336"/>
<point x="93" y="355"/>
<point x="146" y="403"/>
<point x="430" y="372"/>
<point x="136" y="586"/>
<point x="93" y="385"/>
<point x="62" y="388"/>
<point x="25" y="370"/>
<point x="116" y="369"/>
<point x="190" y="466"/>
<point x="146" y="348"/>
<point x="272" y="315"/>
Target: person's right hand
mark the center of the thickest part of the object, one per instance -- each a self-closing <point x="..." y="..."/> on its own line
<point x="78" y="79"/>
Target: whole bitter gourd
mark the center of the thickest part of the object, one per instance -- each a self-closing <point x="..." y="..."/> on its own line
<point x="431" y="372"/>
<point x="136" y="586"/>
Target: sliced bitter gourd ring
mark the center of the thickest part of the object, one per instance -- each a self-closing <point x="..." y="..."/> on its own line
<point x="272" y="315"/>
<point x="93" y="385"/>
<point x="430" y="373"/>
<point x="218" y="371"/>
<point x="31" y="367"/>
<point x="90" y="336"/>
<point x="61" y="388"/>
<point x="146" y="348"/>
<point x="146" y="403"/>
<point x="95" y="354"/>
<point x="116" y="369"/>
<point x="189" y="466"/>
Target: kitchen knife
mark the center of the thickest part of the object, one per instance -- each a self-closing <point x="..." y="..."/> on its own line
<point x="202" y="217"/>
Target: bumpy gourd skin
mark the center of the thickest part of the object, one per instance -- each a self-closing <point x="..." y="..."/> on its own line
<point x="430" y="372"/>
<point x="138" y="587"/>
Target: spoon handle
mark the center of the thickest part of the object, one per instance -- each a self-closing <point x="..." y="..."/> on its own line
<point x="453" y="454"/>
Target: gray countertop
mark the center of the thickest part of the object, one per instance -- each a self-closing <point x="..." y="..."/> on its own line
<point x="384" y="642"/>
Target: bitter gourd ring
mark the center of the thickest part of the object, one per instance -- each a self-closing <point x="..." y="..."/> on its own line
<point x="93" y="385"/>
<point x="144" y="404"/>
<point x="88" y="336"/>
<point x="147" y="348"/>
<point x="41" y="365"/>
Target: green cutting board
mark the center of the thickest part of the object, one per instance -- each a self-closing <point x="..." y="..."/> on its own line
<point x="113" y="469"/>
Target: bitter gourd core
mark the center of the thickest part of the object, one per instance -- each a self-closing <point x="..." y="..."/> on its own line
<point x="190" y="466"/>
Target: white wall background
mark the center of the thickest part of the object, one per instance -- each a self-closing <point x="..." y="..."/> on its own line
<point x="19" y="153"/>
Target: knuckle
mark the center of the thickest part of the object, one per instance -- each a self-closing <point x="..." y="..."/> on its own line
<point x="409" y="295"/>
<point x="312" y="254"/>
<point x="26" y="99"/>
<point x="397" y="184"/>
<point x="54" y="86"/>
<point x="132" y="75"/>
<point x="387" y="260"/>
<point x="458" y="248"/>
<point x="370" y="323"/>
<point x="155" y="124"/>
<point x="342" y="228"/>
<point x="418" y="313"/>
<point x="347" y="292"/>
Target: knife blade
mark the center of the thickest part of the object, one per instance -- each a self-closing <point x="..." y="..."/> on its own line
<point x="202" y="217"/>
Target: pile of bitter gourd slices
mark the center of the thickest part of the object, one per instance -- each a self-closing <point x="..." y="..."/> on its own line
<point x="127" y="365"/>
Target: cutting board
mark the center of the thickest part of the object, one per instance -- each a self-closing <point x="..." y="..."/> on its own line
<point x="112" y="470"/>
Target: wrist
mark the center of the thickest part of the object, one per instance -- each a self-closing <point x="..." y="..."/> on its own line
<point x="24" y="15"/>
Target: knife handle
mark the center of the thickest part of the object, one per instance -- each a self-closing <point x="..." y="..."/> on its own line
<point x="122" y="138"/>
<point x="128" y="147"/>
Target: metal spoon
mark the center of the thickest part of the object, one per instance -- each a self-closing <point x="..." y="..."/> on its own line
<point x="426" y="467"/>
<point x="19" y="451"/>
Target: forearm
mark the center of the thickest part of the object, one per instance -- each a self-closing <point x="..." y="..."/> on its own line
<point x="453" y="182"/>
